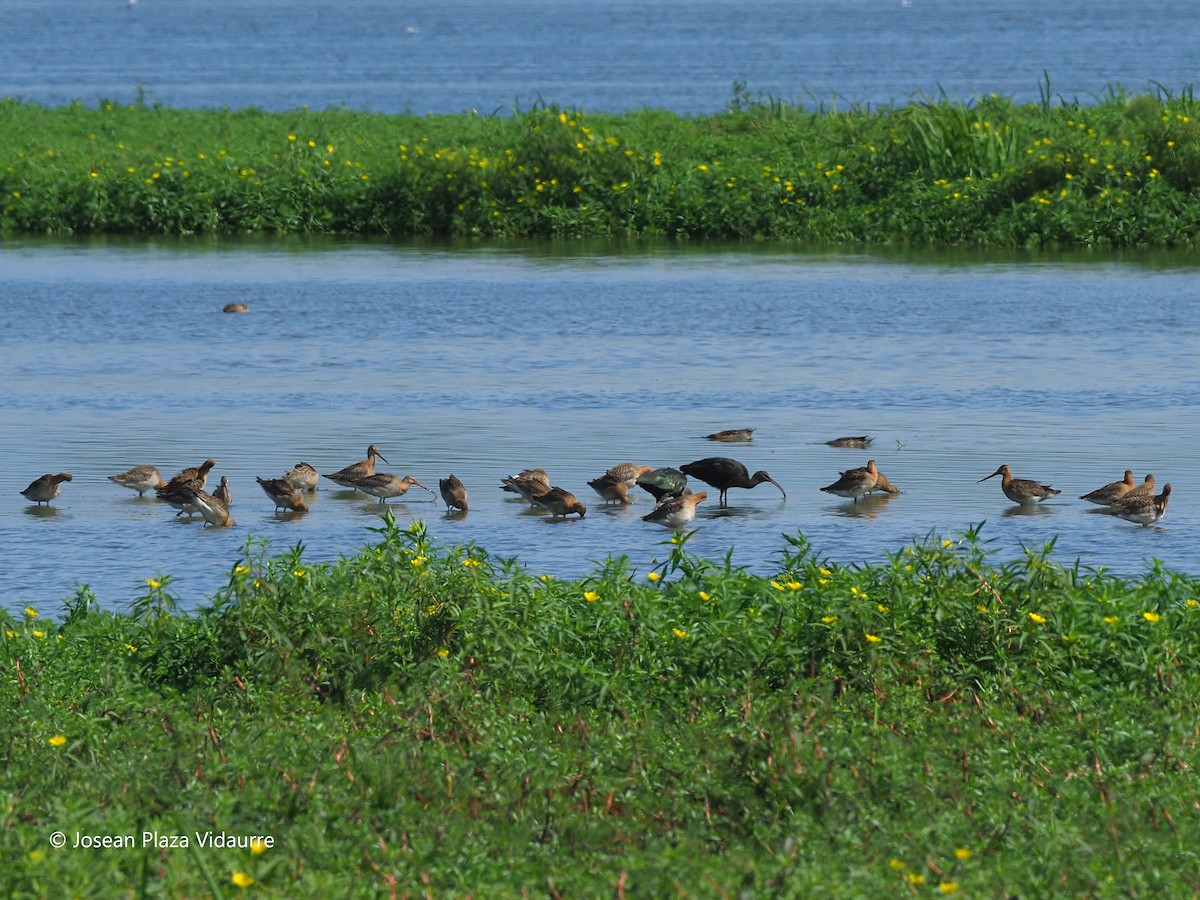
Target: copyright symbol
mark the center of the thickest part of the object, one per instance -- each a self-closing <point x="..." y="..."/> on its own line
<point x="58" y="840"/>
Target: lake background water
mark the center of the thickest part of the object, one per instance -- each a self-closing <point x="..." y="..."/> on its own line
<point x="484" y="359"/>
<point x="599" y="55"/>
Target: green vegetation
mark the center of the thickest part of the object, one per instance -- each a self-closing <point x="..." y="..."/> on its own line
<point x="1122" y="172"/>
<point x="416" y="720"/>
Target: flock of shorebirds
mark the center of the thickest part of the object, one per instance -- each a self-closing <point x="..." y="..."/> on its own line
<point x="675" y="503"/>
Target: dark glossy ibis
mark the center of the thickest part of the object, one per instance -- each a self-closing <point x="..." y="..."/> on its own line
<point x="724" y="473"/>
<point x="665" y="482"/>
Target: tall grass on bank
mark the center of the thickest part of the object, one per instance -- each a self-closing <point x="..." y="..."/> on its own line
<point x="415" y="720"/>
<point x="1122" y="172"/>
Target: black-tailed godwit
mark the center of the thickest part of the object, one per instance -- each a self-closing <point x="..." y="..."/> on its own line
<point x="283" y="493"/>
<point x="454" y="493"/>
<point x="676" y="512"/>
<point x="46" y="488"/>
<point x="1021" y="490"/>
<point x="361" y="469"/>
<point x="1145" y="509"/>
<point x="140" y="479"/>
<point x="855" y="483"/>
<point x="1112" y="492"/>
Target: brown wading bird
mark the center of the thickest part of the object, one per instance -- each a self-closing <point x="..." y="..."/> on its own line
<point x="665" y="482"/>
<point x="1145" y="509"/>
<point x="611" y="488"/>
<point x="560" y="503"/>
<point x="628" y="473"/>
<point x="884" y="486"/>
<point x="724" y="473"/>
<point x="1145" y="489"/>
<point x="223" y="493"/>
<point x="454" y="493"/>
<point x="859" y="442"/>
<point x="385" y="485"/>
<point x="140" y="479"/>
<point x="177" y="491"/>
<point x="1111" y="492"/>
<point x="1020" y="490"/>
<point x="361" y="469"/>
<point x="236" y="308"/>
<point x="304" y="476"/>
<point x="46" y="488"/>
<point x="283" y="493"/>
<point x="676" y="512"/>
<point x="214" y="511"/>
<point x="731" y="435"/>
<point x="529" y="483"/>
<point x="855" y="483"/>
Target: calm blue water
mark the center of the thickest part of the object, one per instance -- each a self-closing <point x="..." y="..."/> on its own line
<point x="601" y="55"/>
<point x="482" y="361"/>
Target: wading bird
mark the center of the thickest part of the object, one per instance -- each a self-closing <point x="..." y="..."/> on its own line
<point x="1112" y="492"/>
<point x="855" y="483"/>
<point x="385" y="485"/>
<point x="178" y="491"/>
<point x="361" y="469"/>
<point x="454" y="493"/>
<point x="560" y="503"/>
<point x="731" y="435"/>
<point x="665" y="482"/>
<point x="1145" y="509"/>
<point x="140" y="479"/>
<point x="859" y="442"/>
<point x="724" y="473"/>
<point x="676" y="512"/>
<point x="46" y="488"/>
<point x="283" y="493"/>
<point x="1020" y="490"/>
<point x="304" y="476"/>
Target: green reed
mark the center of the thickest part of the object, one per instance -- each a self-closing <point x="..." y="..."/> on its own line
<point x="422" y="720"/>
<point x="1121" y="172"/>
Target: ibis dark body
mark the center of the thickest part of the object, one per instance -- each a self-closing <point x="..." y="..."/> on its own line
<point x="665" y="482"/>
<point x="724" y="473"/>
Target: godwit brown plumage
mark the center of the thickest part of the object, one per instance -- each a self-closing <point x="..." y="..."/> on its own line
<point x="529" y="483"/>
<point x="882" y="485"/>
<point x="1145" y="509"/>
<point x="362" y="469"/>
<point x="214" y="511"/>
<point x="855" y="483"/>
<point x="664" y="482"/>
<point x="732" y="435"/>
<point x="385" y="485"/>
<point x="611" y="489"/>
<point x="454" y="493"/>
<point x="1145" y="489"/>
<point x="854" y="442"/>
<point x="628" y="472"/>
<point x="140" y="479"/>
<point x="304" y="476"/>
<point x="676" y="512"/>
<point x="1021" y="490"/>
<point x="560" y="503"/>
<point x="46" y="488"/>
<point x="223" y="493"/>
<point x="1110" y="493"/>
<point x="178" y="491"/>
<point x="724" y="473"/>
<point x="283" y="493"/>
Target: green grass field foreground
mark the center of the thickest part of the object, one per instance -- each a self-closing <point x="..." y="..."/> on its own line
<point x="424" y="721"/>
<point x="1119" y="172"/>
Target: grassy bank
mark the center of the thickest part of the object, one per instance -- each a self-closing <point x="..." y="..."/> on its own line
<point x="1122" y="172"/>
<point x="429" y="721"/>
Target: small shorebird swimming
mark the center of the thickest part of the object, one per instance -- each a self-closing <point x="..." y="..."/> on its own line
<point x="611" y="488"/>
<point x="855" y="483"/>
<point x="385" y="485"/>
<point x="675" y="512"/>
<point x="1145" y="509"/>
<point x="859" y="442"/>
<point x="724" y="473"/>
<point x="454" y="493"/>
<point x="529" y="483"/>
<point x="214" y="511"/>
<point x="46" y="488"/>
<point x="1020" y="490"/>
<point x="1112" y="492"/>
<point x="304" y="476"/>
<point x="223" y="493"/>
<point x="236" y="308"/>
<point x="560" y="503"/>
<point x="283" y="493"/>
<point x="177" y="492"/>
<point x="665" y="482"/>
<point x="361" y="469"/>
<point x="731" y="435"/>
<point x="140" y="479"/>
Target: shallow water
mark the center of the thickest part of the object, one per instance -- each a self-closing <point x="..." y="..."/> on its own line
<point x="482" y="361"/>
<point x="600" y="55"/>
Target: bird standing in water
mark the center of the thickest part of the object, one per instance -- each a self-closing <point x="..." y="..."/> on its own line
<point x="140" y="479"/>
<point x="46" y="488"/>
<point x="283" y="493"/>
<point x="676" y="512"/>
<point x="454" y="493"/>
<point x="361" y="469"/>
<point x="1021" y="490"/>
<point x="724" y="473"/>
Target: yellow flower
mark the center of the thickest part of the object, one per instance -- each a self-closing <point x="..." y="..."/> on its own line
<point x="947" y="544"/>
<point x="1191" y="603"/>
<point x="824" y="571"/>
<point x="947" y="887"/>
<point x="776" y="585"/>
<point x="131" y="648"/>
<point x="882" y="608"/>
<point x="443" y="652"/>
<point x="9" y="633"/>
<point x="704" y="596"/>
<point x="962" y="853"/>
<point x="418" y="561"/>
<point x="39" y="634"/>
<point x="58" y="740"/>
<point x="153" y="584"/>
<point x="258" y="846"/>
<point x="794" y="585"/>
<point x="300" y="573"/>
<point x="1111" y="620"/>
<point x="471" y="563"/>
<point x="680" y="633"/>
<point x="591" y="596"/>
<point x="291" y="137"/>
<point x="31" y="612"/>
<point x="545" y="579"/>
<point x="829" y="620"/>
<point x="897" y="864"/>
<point x="855" y="592"/>
<point x="35" y="855"/>
<point x="1041" y="620"/>
<point x="1151" y="616"/>
<point x="872" y="638"/>
<point x="652" y="576"/>
<point x="914" y="878"/>
<point x="241" y="570"/>
<point x="241" y="879"/>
